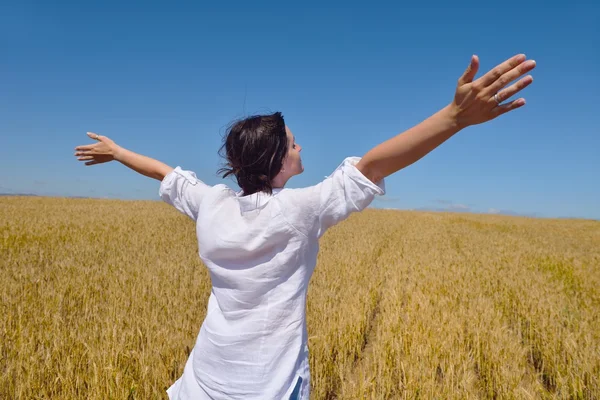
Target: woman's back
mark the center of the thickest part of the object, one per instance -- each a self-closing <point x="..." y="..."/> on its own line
<point x="261" y="251"/>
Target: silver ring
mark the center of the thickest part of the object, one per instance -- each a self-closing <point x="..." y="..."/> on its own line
<point x="97" y="137"/>
<point x="497" y="99"/>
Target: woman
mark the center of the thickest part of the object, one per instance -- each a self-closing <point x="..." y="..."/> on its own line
<point x="261" y="243"/>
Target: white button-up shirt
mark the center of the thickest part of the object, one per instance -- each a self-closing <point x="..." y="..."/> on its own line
<point x="261" y="251"/>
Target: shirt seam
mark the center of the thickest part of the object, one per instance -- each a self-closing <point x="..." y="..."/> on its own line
<point x="288" y="222"/>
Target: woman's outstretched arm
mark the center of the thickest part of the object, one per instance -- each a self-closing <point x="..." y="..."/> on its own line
<point x="107" y="150"/>
<point x="474" y="102"/>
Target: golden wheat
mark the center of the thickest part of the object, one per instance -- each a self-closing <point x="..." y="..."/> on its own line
<point x="103" y="299"/>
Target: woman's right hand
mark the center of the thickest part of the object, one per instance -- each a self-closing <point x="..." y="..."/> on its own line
<point x="480" y="100"/>
<point x="103" y="151"/>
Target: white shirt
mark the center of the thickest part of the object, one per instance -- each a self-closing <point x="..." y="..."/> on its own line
<point x="261" y="251"/>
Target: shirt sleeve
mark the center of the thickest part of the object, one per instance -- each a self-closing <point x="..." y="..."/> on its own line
<point x="315" y="209"/>
<point x="184" y="191"/>
<point x="345" y="191"/>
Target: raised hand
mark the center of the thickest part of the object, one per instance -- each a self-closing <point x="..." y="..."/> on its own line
<point x="481" y="100"/>
<point x="97" y="153"/>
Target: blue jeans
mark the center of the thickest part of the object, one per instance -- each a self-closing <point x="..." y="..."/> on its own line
<point x="296" y="393"/>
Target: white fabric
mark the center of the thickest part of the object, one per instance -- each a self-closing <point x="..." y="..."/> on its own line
<point x="261" y="251"/>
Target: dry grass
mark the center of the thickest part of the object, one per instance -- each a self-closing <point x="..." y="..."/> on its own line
<point x="103" y="299"/>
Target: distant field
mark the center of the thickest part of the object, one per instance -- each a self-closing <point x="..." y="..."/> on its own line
<point x="103" y="299"/>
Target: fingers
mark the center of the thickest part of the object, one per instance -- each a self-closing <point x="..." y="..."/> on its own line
<point x="513" y="89"/>
<point x="89" y="146"/>
<point x="85" y="147"/>
<point x="510" y="76"/>
<point x="470" y="72"/>
<point x="86" y="152"/>
<point x="94" y="136"/>
<point x="504" y="108"/>
<point x="494" y="74"/>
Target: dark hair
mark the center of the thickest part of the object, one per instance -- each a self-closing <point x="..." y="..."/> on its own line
<point x="254" y="149"/>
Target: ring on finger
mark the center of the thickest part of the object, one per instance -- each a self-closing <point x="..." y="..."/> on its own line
<point x="497" y="99"/>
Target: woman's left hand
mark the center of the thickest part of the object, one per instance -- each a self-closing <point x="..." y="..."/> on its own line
<point x="480" y="100"/>
<point x="104" y="150"/>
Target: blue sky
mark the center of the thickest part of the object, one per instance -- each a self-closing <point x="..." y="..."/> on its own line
<point x="165" y="79"/>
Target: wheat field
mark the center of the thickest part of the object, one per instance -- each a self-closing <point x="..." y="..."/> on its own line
<point x="103" y="299"/>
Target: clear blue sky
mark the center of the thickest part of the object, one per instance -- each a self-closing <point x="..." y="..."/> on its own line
<point x="165" y="78"/>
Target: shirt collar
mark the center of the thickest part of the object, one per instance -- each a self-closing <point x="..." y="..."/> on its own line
<point x="255" y="200"/>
